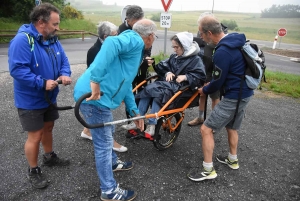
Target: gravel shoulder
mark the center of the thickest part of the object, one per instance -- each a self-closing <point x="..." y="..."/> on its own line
<point x="269" y="155"/>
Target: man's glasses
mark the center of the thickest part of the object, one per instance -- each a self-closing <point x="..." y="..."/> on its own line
<point x="154" y="36"/>
<point x="201" y="33"/>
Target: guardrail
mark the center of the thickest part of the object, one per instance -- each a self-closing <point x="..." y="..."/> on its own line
<point x="12" y="33"/>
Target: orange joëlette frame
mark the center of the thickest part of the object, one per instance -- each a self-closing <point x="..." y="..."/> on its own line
<point x="166" y="113"/>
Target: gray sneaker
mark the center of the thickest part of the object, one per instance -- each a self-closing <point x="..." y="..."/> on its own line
<point x="202" y="174"/>
<point x="36" y="178"/>
<point x="225" y="160"/>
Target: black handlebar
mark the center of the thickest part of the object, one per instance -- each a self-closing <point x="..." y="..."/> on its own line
<point x="77" y="115"/>
<point x="63" y="107"/>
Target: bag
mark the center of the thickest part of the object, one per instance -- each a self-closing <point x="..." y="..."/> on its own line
<point x="255" y="65"/>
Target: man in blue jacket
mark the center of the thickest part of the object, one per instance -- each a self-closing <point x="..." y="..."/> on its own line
<point x="36" y="61"/>
<point x="113" y="71"/>
<point x="229" y="65"/>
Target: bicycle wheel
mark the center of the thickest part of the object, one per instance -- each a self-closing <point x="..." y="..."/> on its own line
<point x="164" y="137"/>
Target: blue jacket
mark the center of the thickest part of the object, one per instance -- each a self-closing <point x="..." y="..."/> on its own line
<point x="228" y="63"/>
<point x="114" y="67"/>
<point x="30" y="69"/>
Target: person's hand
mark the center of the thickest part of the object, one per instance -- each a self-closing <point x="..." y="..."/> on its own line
<point x="149" y="60"/>
<point x="51" y="84"/>
<point x="139" y="123"/>
<point x="65" y="80"/>
<point x="95" y="87"/>
<point x="200" y="91"/>
<point x="170" y="77"/>
<point x="180" y="78"/>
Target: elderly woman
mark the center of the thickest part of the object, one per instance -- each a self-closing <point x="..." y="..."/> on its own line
<point x="184" y="67"/>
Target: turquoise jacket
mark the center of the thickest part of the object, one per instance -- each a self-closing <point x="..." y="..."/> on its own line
<point x="114" y="68"/>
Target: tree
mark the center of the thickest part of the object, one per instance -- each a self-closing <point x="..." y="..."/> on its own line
<point x="284" y="11"/>
<point x="20" y="9"/>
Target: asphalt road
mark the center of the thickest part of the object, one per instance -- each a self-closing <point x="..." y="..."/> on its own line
<point x="269" y="156"/>
<point x="76" y="50"/>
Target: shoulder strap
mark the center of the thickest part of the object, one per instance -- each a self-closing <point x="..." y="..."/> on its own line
<point x="30" y="41"/>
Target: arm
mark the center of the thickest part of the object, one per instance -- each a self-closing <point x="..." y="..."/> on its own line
<point x="222" y="63"/>
<point x="195" y="73"/>
<point x="130" y="104"/>
<point x="163" y="67"/>
<point x="20" y="64"/>
<point x="109" y="51"/>
<point x="132" y="109"/>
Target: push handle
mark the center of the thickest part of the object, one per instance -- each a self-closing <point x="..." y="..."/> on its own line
<point x="77" y="115"/>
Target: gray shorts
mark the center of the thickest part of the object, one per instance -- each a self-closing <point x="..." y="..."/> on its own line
<point x="33" y="120"/>
<point x="223" y="113"/>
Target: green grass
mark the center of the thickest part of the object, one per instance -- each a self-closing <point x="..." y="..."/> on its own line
<point x="283" y="83"/>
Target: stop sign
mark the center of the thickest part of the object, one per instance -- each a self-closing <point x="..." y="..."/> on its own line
<point x="282" y="32"/>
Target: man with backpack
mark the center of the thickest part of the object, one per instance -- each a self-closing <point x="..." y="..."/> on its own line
<point x="229" y="67"/>
<point x="206" y="52"/>
<point x="36" y="61"/>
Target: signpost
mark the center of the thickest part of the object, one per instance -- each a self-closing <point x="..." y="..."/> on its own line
<point x="165" y="19"/>
<point x="281" y="32"/>
<point x="38" y="2"/>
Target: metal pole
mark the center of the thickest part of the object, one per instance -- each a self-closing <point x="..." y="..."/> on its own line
<point x="279" y="41"/>
<point x="165" y="42"/>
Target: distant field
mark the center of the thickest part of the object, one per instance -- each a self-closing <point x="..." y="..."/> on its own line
<point x="251" y="24"/>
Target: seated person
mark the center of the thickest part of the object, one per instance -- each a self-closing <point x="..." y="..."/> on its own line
<point x="184" y="67"/>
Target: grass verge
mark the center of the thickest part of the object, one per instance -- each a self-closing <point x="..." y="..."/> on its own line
<point x="282" y="83"/>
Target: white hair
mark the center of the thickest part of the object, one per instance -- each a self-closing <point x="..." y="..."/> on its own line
<point x="106" y="28"/>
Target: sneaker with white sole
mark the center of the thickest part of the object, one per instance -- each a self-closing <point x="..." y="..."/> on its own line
<point x="121" y="149"/>
<point x="200" y="175"/>
<point x="225" y="160"/>
<point x="150" y="130"/>
<point x="118" y="194"/>
<point x="83" y="135"/>
<point x="120" y="166"/>
<point x="129" y="126"/>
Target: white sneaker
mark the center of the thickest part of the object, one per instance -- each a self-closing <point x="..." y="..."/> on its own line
<point x="83" y="135"/>
<point x="121" y="149"/>
<point x="150" y="130"/>
<point x="129" y="126"/>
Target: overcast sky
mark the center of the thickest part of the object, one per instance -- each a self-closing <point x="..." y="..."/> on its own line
<point x="253" y="6"/>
